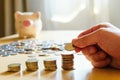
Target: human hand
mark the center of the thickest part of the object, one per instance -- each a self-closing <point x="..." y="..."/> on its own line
<point x="101" y="45"/>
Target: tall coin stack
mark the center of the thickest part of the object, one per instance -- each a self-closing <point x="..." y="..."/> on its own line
<point x="50" y="64"/>
<point x="67" y="61"/>
<point x="32" y="64"/>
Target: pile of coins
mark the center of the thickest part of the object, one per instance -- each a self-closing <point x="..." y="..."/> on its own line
<point x="50" y="64"/>
<point x="67" y="61"/>
<point x="32" y="64"/>
<point x="15" y="67"/>
<point x="29" y="46"/>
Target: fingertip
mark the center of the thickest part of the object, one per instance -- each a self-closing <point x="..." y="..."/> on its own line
<point x="74" y="42"/>
<point x="77" y="49"/>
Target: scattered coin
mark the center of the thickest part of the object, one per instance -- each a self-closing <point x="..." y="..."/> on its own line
<point x="4" y="54"/>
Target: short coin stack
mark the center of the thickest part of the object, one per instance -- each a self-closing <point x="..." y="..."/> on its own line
<point x="32" y="64"/>
<point x="50" y="64"/>
<point x="14" y="67"/>
<point x="67" y="61"/>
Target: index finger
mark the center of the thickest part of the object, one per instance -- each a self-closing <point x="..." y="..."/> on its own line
<point x="94" y="28"/>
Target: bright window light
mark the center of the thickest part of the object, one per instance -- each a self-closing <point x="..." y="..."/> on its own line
<point x="66" y="10"/>
<point x="97" y="7"/>
<point x="101" y="10"/>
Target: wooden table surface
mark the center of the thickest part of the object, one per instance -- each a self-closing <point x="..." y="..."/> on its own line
<point x="83" y="70"/>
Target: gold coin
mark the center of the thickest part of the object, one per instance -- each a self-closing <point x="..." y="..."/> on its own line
<point x="69" y="47"/>
<point x="67" y="56"/>
<point x="32" y="64"/>
<point x="14" y="67"/>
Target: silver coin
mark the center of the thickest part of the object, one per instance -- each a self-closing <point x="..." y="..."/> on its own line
<point x="4" y="54"/>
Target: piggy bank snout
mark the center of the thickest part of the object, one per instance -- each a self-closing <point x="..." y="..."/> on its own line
<point x="27" y="23"/>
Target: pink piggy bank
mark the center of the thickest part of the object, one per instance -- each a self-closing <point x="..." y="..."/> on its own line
<point x="28" y="24"/>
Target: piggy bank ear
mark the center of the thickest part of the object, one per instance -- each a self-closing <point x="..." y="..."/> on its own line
<point x="37" y="15"/>
<point x="17" y="14"/>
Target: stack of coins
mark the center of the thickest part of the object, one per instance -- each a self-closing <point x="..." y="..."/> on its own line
<point x="50" y="64"/>
<point x="32" y="64"/>
<point x="67" y="61"/>
<point x="15" y="67"/>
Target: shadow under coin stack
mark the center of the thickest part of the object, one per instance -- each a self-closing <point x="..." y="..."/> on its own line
<point x="67" y="61"/>
<point x="32" y="64"/>
<point x="50" y="64"/>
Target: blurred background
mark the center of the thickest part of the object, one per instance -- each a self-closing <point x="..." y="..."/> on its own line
<point x="61" y="14"/>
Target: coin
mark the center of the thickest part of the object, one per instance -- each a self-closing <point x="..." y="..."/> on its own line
<point x="32" y="64"/>
<point x="69" y="47"/>
<point x="50" y="64"/>
<point x="14" y="67"/>
<point x="67" y="61"/>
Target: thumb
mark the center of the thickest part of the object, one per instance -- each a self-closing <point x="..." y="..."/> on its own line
<point x="86" y="40"/>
